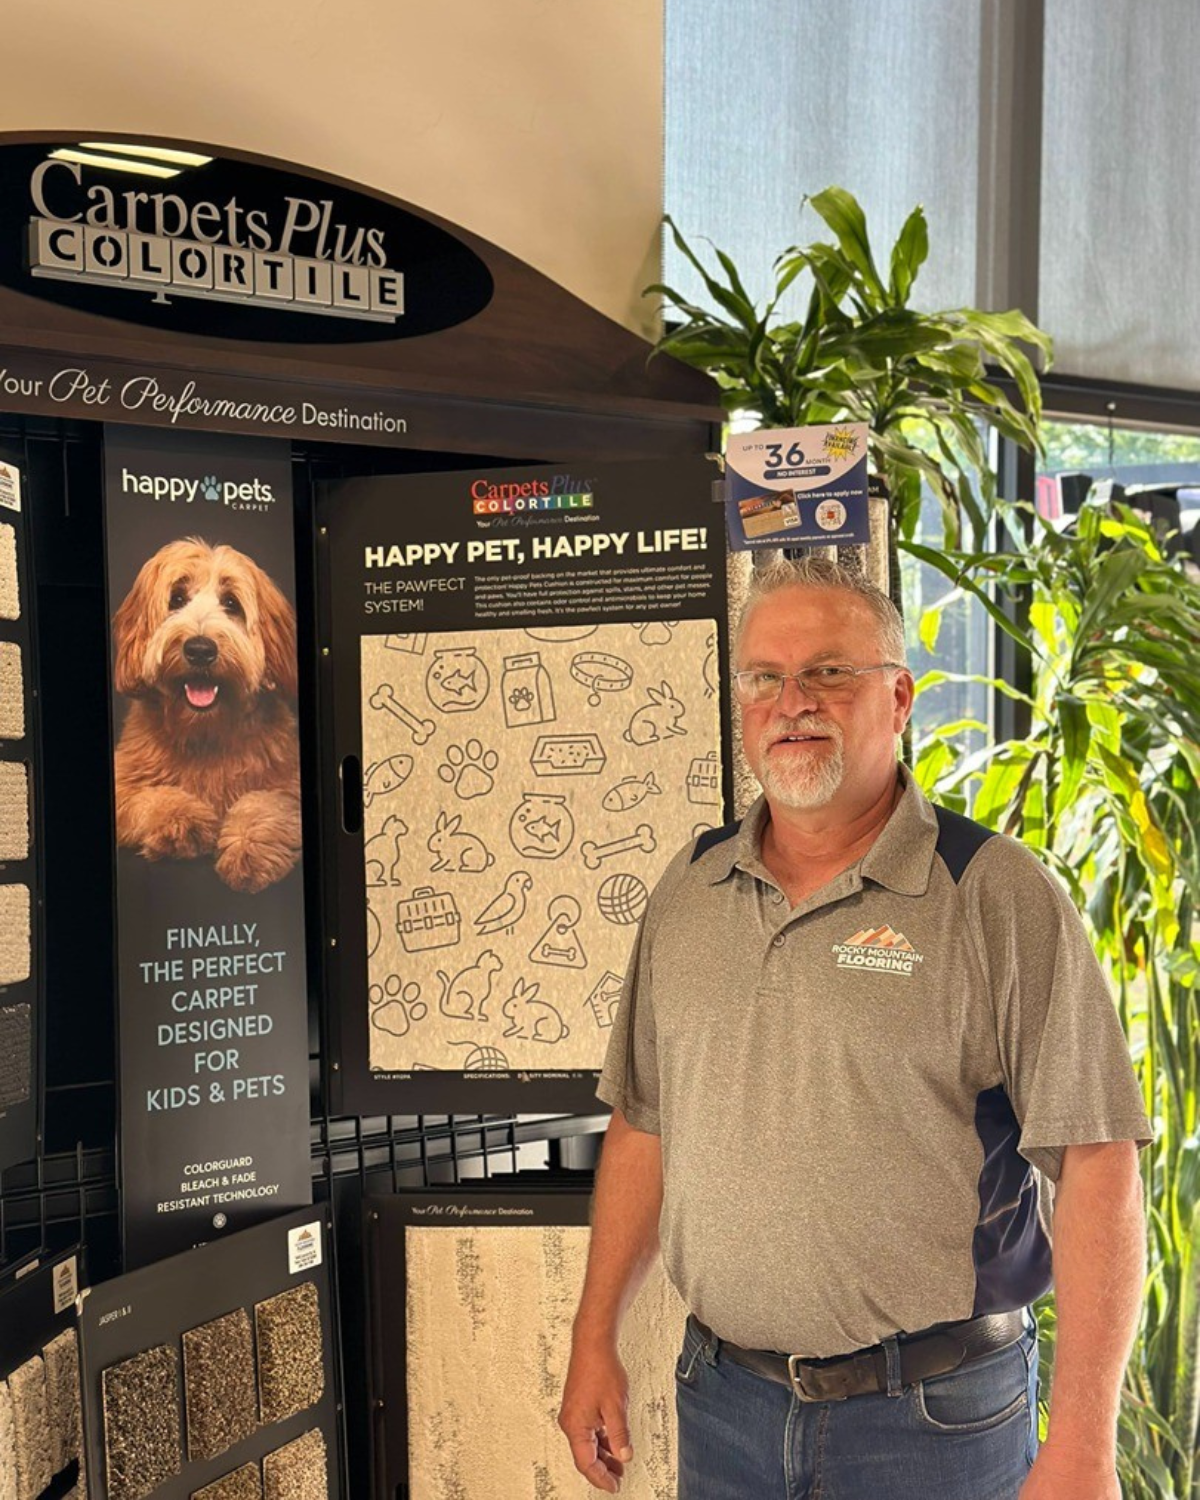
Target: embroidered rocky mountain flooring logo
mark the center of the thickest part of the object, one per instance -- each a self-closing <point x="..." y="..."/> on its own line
<point x="880" y="948"/>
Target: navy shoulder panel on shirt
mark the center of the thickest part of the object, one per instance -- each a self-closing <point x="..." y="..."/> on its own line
<point x="713" y="836"/>
<point x="959" y="841"/>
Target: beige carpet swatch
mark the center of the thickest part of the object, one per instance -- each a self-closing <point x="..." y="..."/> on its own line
<point x="291" y="1368"/>
<point x="61" y="1358"/>
<point x="488" y="1343"/>
<point x="14" y="810"/>
<point x="10" y="593"/>
<point x="12" y="692"/>
<point x="14" y="933"/>
<point x="141" y="1422"/>
<point x="219" y="1384"/>
<point x="8" y="1445"/>
<point x="297" y="1471"/>
<point x="28" y="1388"/>
<point x="243" y="1484"/>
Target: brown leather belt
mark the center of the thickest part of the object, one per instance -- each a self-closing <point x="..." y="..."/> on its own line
<point x="934" y="1351"/>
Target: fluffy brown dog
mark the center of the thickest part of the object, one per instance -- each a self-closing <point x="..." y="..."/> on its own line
<point x="208" y="760"/>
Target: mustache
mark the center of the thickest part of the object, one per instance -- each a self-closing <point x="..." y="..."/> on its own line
<point x="802" y="724"/>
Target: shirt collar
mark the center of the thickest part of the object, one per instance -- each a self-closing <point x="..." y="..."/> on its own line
<point x="901" y="858"/>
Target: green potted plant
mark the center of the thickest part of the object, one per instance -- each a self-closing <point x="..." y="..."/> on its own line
<point x="1106" y="788"/>
<point x="861" y="352"/>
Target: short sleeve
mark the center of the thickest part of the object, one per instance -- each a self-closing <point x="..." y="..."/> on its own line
<point x="1065" y="1059"/>
<point x="629" y="1081"/>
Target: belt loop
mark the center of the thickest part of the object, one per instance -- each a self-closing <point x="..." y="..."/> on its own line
<point x="712" y="1346"/>
<point x="891" y="1354"/>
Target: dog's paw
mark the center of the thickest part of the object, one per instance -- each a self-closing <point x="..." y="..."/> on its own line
<point x="182" y="827"/>
<point x="247" y="866"/>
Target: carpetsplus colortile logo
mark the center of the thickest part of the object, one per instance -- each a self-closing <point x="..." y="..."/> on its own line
<point x="882" y="949"/>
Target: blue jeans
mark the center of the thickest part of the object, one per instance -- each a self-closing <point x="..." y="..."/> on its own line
<point x="968" y="1435"/>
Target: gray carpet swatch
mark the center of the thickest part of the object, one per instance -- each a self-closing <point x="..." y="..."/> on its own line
<point x="291" y="1367"/>
<point x="16" y="1059"/>
<point x="27" y="1386"/>
<point x="141" y="1422"/>
<point x="219" y="1384"/>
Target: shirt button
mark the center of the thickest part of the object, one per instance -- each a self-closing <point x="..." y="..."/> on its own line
<point x="777" y="897"/>
<point x="778" y="940"/>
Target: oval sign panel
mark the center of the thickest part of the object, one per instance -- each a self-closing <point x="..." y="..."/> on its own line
<point x="171" y="237"/>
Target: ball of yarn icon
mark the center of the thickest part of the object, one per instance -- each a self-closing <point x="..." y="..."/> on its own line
<point x="622" y="899"/>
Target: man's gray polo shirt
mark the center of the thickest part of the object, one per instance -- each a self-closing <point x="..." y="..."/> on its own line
<point x="852" y="1093"/>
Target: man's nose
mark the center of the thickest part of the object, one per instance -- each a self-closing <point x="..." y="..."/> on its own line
<point x="792" y="692"/>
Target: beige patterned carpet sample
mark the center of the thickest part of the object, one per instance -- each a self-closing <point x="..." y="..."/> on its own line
<point x="489" y="1337"/>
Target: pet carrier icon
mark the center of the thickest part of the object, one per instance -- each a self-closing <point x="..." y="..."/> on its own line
<point x="428" y="919"/>
<point x="704" y="780"/>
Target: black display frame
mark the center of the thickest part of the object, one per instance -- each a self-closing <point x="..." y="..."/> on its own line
<point x="385" y="1219"/>
<point x="160" y="1302"/>
<point x="21" y="1122"/>
<point x="352" y="1084"/>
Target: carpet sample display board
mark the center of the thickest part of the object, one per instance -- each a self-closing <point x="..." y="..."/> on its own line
<point x="524" y="705"/>
<point x="41" y="1425"/>
<point x="20" y="873"/>
<point x="205" y="1371"/>
<point x="472" y="1296"/>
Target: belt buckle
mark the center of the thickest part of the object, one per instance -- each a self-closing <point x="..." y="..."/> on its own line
<point x="795" y="1366"/>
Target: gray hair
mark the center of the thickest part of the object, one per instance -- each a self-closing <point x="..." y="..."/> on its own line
<point x="813" y="572"/>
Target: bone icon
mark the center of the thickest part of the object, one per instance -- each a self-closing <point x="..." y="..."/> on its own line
<point x="420" y="729"/>
<point x="642" y="838"/>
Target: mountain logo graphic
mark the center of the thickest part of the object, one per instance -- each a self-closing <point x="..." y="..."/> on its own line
<point x="881" y="949"/>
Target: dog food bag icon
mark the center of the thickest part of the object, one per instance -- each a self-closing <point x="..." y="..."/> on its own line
<point x="527" y="691"/>
<point x="428" y="919"/>
<point x="541" y="827"/>
<point x="457" y="680"/>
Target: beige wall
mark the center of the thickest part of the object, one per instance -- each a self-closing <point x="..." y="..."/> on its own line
<point x="536" y="123"/>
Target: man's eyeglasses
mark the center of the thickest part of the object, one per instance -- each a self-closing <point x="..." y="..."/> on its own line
<point x="832" y="683"/>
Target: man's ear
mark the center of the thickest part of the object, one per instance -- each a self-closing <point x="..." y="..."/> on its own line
<point x="903" y="696"/>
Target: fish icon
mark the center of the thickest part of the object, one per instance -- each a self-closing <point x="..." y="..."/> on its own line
<point x="458" y="683"/>
<point x="542" y="830"/>
<point x="631" y="793"/>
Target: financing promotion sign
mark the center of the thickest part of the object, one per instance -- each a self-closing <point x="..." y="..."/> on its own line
<point x="797" y="486"/>
<point x="210" y="914"/>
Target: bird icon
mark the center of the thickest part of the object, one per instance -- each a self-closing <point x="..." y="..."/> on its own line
<point x="505" y="910"/>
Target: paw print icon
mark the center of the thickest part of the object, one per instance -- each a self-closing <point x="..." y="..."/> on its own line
<point x="210" y="487"/>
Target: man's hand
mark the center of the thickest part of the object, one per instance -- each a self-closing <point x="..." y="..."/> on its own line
<point x="594" y="1415"/>
<point x="1072" y="1475"/>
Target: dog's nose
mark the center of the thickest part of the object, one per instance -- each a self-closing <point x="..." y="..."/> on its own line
<point x="200" y="651"/>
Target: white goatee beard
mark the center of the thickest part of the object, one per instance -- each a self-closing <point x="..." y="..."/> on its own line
<point x="797" y="782"/>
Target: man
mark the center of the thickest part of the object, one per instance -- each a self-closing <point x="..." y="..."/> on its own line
<point x="851" y="1029"/>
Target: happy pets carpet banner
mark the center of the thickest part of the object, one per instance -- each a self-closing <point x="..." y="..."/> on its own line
<point x="210" y="900"/>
